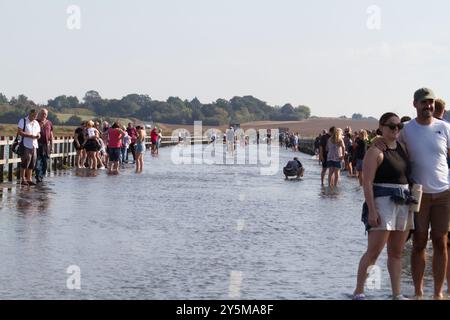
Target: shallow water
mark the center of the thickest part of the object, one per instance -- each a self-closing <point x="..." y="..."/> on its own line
<point x="180" y="231"/>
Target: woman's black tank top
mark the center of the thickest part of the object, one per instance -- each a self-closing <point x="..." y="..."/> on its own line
<point x="395" y="168"/>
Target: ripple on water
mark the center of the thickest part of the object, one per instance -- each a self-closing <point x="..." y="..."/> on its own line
<point x="171" y="233"/>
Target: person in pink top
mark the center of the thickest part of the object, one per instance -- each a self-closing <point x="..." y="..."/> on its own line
<point x="115" y="134"/>
<point x="154" y="138"/>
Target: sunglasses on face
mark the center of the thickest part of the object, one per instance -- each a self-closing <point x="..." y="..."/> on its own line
<point x="392" y="126"/>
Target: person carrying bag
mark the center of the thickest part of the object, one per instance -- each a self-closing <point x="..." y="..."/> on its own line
<point x="17" y="146"/>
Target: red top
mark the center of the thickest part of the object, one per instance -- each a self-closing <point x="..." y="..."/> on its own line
<point x="154" y="135"/>
<point x="115" y="138"/>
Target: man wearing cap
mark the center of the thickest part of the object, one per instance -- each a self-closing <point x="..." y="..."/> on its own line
<point x="428" y="142"/>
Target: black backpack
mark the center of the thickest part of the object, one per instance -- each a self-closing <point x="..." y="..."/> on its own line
<point x="17" y="146"/>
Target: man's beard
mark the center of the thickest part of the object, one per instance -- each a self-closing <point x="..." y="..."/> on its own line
<point x="427" y="113"/>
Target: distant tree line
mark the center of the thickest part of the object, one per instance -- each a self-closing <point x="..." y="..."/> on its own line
<point x="358" y="116"/>
<point x="173" y="110"/>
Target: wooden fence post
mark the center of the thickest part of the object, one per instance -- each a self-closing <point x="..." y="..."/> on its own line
<point x="10" y="156"/>
<point x="54" y="161"/>
<point x="2" y="157"/>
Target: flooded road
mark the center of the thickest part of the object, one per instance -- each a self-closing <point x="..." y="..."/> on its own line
<point x="186" y="232"/>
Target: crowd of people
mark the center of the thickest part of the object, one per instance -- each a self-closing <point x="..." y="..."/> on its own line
<point x="290" y="140"/>
<point x="109" y="146"/>
<point x="408" y="154"/>
<point x="98" y="146"/>
<point x="402" y="154"/>
<point x="342" y="150"/>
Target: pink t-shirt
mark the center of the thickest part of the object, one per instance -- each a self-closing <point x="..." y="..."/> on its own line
<point x="115" y="138"/>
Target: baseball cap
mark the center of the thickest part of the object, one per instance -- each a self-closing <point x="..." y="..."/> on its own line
<point x="424" y="94"/>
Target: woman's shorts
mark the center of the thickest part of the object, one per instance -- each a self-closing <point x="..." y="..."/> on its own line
<point x="334" y="164"/>
<point x="92" y="146"/>
<point x="393" y="217"/>
<point x="139" y="148"/>
<point x="114" y="154"/>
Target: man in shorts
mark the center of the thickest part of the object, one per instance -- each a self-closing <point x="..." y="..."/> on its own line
<point x="428" y="142"/>
<point x="29" y="129"/>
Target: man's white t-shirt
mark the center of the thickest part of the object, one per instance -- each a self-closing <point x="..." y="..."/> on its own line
<point x="33" y="128"/>
<point x="428" y="148"/>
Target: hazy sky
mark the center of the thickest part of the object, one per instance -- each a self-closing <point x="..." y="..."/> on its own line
<point x="329" y="55"/>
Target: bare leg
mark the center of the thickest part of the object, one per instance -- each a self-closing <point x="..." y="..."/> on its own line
<point x="418" y="261"/>
<point x="448" y="268"/>
<point x="110" y="164"/>
<point x="376" y="242"/>
<point x="138" y="163"/>
<point x="83" y="157"/>
<point x="337" y="173"/>
<point x="28" y="174"/>
<point x="395" y="245"/>
<point x="439" y="261"/>
<point x="322" y="175"/>
<point x="448" y="272"/>
<point x="350" y="169"/>
<point x="77" y="159"/>
<point x="331" y="174"/>
<point x="142" y="162"/>
<point x="94" y="160"/>
<point x="22" y="174"/>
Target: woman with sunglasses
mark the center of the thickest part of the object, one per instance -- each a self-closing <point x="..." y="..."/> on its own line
<point x="386" y="174"/>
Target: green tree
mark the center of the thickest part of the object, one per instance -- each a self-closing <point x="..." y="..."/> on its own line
<point x="13" y="116"/>
<point x="140" y="99"/>
<point x="53" y="118"/>
<point x="63" y="101"/>
<point x="287" y="109"/>
<point x="3" y="99"/>
<point x="303" y="112"/>
<point x="91" y="96"/>
<point x="73" y="121"/>
<point x="357" y="116"/>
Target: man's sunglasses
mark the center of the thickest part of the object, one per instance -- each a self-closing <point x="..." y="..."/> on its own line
<point x="393" y="126"/>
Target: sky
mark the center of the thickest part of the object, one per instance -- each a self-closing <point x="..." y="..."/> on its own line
<point x="337" y="57"/>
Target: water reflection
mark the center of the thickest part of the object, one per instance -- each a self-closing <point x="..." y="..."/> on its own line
<point x="179" y="231"/>
<point x="34" y="199"/>
<point x="85" y="172"/>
